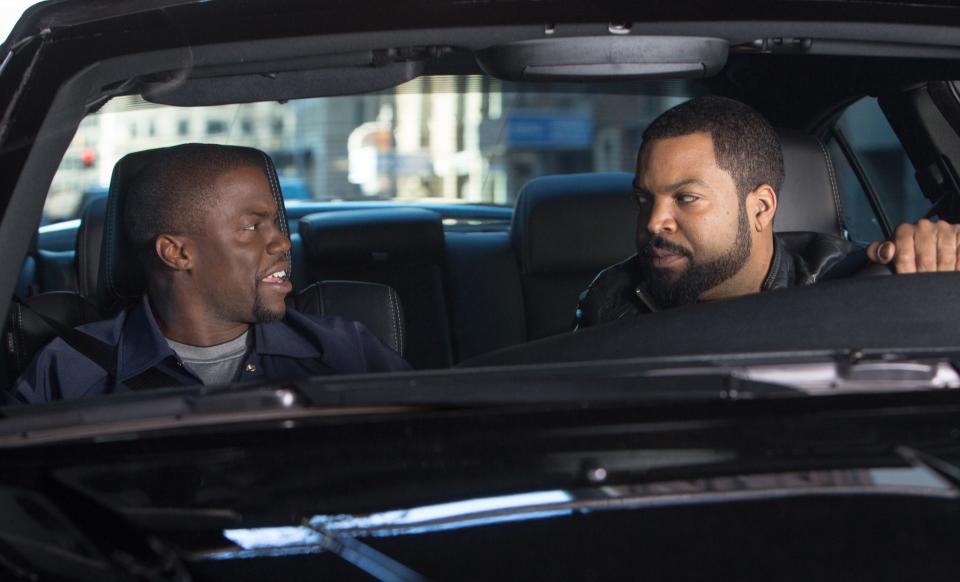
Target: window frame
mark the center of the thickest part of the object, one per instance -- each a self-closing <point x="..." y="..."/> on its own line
<point x="865" y="184"/>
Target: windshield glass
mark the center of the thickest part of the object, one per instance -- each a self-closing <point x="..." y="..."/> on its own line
<point x="459" y="139"/>
<point x="458" y="219"/>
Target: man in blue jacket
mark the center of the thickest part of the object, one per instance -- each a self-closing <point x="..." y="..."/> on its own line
<point x="206" y="225"/>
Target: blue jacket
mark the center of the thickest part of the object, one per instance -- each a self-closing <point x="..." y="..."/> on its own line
<point x="297" y="346"/>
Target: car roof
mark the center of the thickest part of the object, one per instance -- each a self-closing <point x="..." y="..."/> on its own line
<point x="223" y="41"/>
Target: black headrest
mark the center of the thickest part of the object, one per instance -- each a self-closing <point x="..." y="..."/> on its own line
<point x="372" y="235"/>
<point x="574" y="222"/>
<point x="89" y="240"/>
<point x="121" y="279"/>
<point x="809" y="199"/>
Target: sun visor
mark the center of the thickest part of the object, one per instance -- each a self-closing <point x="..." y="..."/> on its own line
<point x="224" y="85"/>
<point x="606" y="57"/>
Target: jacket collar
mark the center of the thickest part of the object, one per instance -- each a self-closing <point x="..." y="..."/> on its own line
<point x="778" y="266"/>
<point x="143" y="346"/>
<point x="283" y="338"/>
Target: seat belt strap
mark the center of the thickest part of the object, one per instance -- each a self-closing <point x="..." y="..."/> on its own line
<point x="96" y="350"/>
<point x="101" y="353"/>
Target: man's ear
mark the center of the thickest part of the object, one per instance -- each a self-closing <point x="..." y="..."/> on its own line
<point x="762" y="206"/>
<point x="173" y="252"/>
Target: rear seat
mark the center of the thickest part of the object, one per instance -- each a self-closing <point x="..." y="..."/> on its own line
<point x="565" y="229"/>
<point x="486" y="295"/>
<point x="399" y="247"/>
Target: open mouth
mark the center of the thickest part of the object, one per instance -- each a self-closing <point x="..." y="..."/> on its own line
<point x="277" y="277"/>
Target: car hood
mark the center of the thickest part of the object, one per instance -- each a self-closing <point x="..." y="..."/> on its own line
<point x="430" y="491"/>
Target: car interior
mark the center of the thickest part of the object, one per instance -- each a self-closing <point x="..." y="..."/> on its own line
<point x="446" y="283"/>
<point x="453" y="175"/>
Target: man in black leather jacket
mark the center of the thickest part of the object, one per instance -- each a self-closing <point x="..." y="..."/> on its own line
<point x="708" y="173"/>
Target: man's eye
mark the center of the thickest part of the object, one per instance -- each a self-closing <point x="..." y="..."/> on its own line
<point x="641" y="200"/>
<point x="250" y="226"/>
<point x="685" y="198"/>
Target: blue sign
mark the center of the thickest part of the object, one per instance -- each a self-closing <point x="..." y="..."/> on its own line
<point x="546" y="130"/>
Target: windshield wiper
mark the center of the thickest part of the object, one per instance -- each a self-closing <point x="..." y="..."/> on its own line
<point x="377" y="564"/>
<point x="943" y="469"/>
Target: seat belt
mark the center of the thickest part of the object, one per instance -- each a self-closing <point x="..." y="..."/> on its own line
<point x="101" y="353"/>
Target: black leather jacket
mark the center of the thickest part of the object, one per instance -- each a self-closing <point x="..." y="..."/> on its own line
<point x="799" y="258"/>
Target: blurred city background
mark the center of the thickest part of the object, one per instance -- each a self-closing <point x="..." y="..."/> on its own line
<point x="452" y="139"/>
<point x="462" y="139"/>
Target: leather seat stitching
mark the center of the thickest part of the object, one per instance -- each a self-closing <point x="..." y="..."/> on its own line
<point x="833" y="183"/>
<point x="82" y="251"/>
<point x="398" y="322"/>
<point x="108" y="233"/>
<point x="19" y="352"/>
<point x="393" y="320"/>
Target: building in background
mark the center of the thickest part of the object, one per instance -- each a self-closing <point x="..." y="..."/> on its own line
<point x="467" y="139"/>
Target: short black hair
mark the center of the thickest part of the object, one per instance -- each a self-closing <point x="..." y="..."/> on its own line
<point x="744" y="143"/>
<point x="171" y="194"/>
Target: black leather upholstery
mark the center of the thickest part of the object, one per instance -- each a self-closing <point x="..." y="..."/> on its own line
<point x="45" y="270"/>
<point x="26" y="333"/>
<point x="27" y="282"/>
<point x="400" y="247"/>
<point x="486" y="294"/>
<point x="809" y="199"/>
<point x="89" y="239"/>
<point x="375" y="235"/>
<point x="565" y="229"/>
<point x="355" y="300"/>
<point x="575" y="222"/>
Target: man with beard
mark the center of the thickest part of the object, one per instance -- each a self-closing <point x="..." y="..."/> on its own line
<point x="707" y="178"/>
<point x="205" y="221"/>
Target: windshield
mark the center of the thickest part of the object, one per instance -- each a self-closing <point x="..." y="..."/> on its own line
<point x="553" y="164"/>
<point x="459" y="139"/>
<point x="461" y="220"/>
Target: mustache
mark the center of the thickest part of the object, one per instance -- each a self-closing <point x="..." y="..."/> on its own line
<point x="285" y="259"/>
<point x="660" y="243"/>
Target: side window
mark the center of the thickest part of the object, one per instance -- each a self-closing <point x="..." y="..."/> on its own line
<point x="875" y="176"/>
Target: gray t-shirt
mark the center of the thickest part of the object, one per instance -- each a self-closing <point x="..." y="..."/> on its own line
<point x="214" y="364"/>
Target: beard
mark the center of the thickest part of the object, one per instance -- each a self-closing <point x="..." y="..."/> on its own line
<point x="262" y="313"/>
<point x="257" y="313"/>
<point x="668" y="290"/>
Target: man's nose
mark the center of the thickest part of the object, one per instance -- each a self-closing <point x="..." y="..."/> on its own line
<point x="279" y="243"/>
<point x="661" y="218"/>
